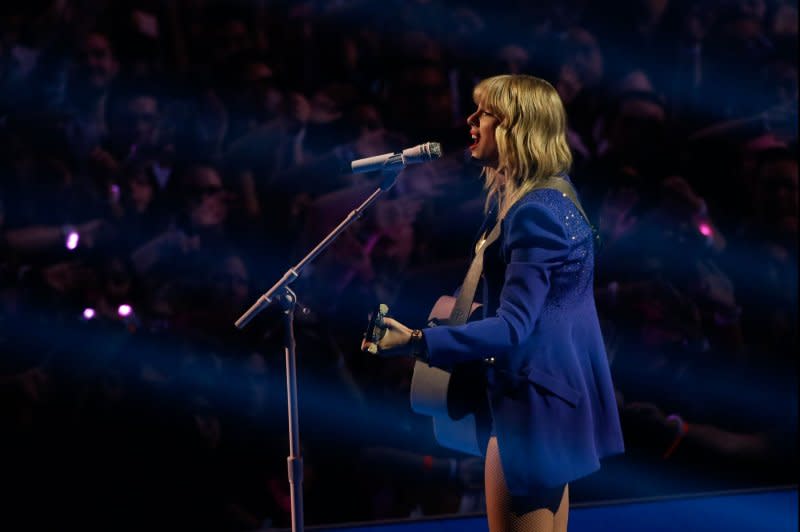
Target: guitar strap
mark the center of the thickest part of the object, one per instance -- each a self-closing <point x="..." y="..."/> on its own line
<point x="463" y="304"/>
<point x="565" y="187"/>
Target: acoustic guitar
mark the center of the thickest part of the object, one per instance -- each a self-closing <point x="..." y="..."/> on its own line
<point x="430" y="385"/>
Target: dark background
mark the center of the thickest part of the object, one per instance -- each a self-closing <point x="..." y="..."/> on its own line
<point x="178" y="156"/>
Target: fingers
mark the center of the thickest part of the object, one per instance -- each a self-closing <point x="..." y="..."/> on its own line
<point x="394" y="341"/>
<point x="393" y="326"/>
<point x="391" y="323"/>
<point x="369" y="347"/>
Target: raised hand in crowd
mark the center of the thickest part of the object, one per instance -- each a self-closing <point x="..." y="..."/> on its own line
<point x="43" y="238"/>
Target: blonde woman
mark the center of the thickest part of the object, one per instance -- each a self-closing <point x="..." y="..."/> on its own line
<point x="552" y="413"/>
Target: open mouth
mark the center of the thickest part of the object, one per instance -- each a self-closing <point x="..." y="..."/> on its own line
<point x="475" y="140"/>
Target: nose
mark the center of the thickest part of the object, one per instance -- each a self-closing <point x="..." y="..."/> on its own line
<point x="472" y="119"/>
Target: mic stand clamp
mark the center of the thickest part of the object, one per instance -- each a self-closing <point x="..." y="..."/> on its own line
<point x="281" y="292"/>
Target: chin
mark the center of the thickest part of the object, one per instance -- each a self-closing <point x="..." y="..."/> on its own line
<point x="471" y="159"/>
<point x="477" y="156"/>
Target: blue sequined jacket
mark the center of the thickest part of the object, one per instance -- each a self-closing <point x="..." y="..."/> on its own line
<point x="549" y="386"/>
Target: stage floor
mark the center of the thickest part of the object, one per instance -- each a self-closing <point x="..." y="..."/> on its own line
<point x="773" y="510"/>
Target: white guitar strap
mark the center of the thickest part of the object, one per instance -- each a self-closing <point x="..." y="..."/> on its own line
<point x="463" y="304"/>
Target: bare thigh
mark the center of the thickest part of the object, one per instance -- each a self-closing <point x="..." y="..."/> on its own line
<point x="500" y="505"/>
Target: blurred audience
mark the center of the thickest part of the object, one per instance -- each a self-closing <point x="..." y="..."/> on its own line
<point x="161" y="163"/>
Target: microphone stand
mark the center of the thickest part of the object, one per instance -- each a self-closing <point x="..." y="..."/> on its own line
<point x="284" y="295"/>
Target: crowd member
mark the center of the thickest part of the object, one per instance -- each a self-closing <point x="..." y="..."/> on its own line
<point x="161" y="164"/>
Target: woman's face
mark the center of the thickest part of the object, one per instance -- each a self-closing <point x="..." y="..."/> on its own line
<point x="482" y="125"/>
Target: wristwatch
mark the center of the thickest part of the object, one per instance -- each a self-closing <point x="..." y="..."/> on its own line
<point x="418" y="347"/>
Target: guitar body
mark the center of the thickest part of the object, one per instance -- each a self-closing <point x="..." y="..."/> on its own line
<point x="429" y="393"/>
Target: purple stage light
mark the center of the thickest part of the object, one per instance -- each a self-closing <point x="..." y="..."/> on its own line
<point x="124" y="310"/>
<point x="88" y="313"/>
<point x="705" y="229"/>
<point x="72" y="240"/>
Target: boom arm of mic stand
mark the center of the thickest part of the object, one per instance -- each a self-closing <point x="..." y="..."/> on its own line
<point x="391" y="169"/>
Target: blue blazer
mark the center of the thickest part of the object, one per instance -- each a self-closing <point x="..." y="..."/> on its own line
<point x="549" y="388"/>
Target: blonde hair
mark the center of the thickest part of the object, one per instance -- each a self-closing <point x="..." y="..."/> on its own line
<point x="531" y="136"/>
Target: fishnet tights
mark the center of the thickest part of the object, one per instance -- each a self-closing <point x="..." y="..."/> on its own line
<point x="498" y="503"/>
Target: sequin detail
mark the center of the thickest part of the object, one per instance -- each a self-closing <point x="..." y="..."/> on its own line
<point x="569" y="281"/>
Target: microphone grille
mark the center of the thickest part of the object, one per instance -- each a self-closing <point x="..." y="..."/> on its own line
<point x="434" y="150"/>
<point x="422" y="153"/>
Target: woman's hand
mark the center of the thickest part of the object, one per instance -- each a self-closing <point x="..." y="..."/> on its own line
<point x="395" y="342"/>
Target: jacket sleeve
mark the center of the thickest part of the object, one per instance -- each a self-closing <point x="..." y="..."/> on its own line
<point x="535" y="244"/>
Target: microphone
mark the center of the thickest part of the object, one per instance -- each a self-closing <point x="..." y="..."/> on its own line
<point x="418" y="154"/>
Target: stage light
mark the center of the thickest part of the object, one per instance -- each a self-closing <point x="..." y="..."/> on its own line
<point x="72" y="240"/>
<point x="88" y="313"/>
<point x="124" y="310"/>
